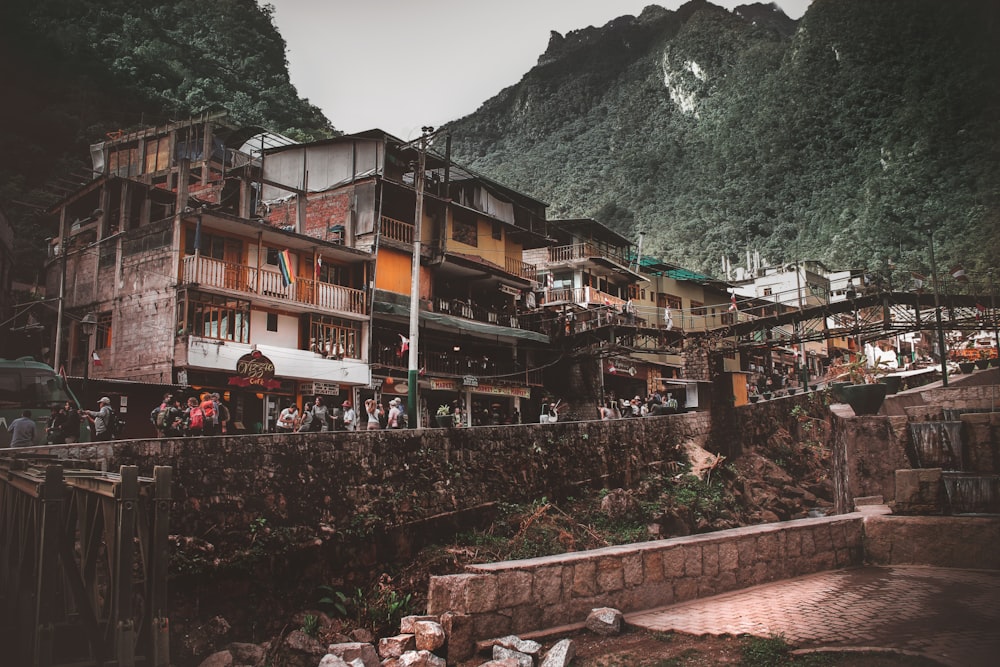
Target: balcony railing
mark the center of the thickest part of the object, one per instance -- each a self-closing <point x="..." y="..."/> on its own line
<point x="580" y="251"/>
<point x="488" y="369"/>
<point x="583" y="296"/>
<point x="253" y="281"/>
<point x="521" y="269"/>
<point x="473" y="311"/>
<point x="396" y="230"/>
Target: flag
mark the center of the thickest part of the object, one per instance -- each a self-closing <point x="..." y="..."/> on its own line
<point x="550" y="280"/>
<point x="732" y="302"/>
<point x="404" y="344"/>
<point x="958" y="273"/>
<point x="285" y="266"/>
<point x="97" y="359"/>
<point x="918" y="280"/>
<point x="319" y="265"/>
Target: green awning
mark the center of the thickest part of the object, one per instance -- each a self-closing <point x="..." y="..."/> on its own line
<point x="450" y="322"/>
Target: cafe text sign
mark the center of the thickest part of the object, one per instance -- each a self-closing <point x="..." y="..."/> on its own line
<point x="254" y="370"/>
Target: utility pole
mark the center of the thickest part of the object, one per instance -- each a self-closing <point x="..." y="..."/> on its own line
<point x="413" y="369"/>
<point x="937" y="311"/>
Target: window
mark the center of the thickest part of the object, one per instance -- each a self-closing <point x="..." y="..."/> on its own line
<point x="271" y="258"/>
<point x="219" y="317"/>
<point x="272" y="321"/>
<point x="497" y="231"/>
<point x="463" y="228"/>
<point x="671" y="301"/>
<point x="698" y="309"/>
<point x="212" y="245"/>
<point x="332" y="274"/>
<point x="334" y="338"/>
<point x="767" y="291"/>
<point x="102" y="335"/>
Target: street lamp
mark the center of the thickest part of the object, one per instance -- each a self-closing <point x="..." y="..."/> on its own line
<point x="88" y="325"/>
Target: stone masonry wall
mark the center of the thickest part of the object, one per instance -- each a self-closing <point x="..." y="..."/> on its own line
<point x="521" y="596"/>
<point x="328" y="483"/>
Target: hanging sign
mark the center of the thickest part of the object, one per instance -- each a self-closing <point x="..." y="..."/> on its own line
<point x="254" y="370"/>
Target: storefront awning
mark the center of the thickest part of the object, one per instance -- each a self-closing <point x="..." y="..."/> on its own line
<point x="452" y="323"/>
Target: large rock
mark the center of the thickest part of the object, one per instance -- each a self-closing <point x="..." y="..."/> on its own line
<point x="351" y="651"/>
<point x="247" y="654"/>
<point x="560" y="655"/>
<point x="300" y="642"/>
<point x="605" y="621"/>
<point x="395" y="646"/>
<point x="503" y="662"/>
<point x="515" y="643"/>
<point x="523" y="659"/>
<point x="218" y="659"/>
<point x="429" y="635"/>
<point x="331" y="660"/>
<point x="415" y="659"/>
<point x="406" y="623"/>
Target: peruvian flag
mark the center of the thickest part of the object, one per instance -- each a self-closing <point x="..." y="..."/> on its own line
<point x="97" y="359"/>
<point x="404" y="344"/>
<point x="958" y="273"/>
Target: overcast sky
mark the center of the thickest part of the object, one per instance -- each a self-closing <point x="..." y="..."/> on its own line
<point x="399" y="65"/>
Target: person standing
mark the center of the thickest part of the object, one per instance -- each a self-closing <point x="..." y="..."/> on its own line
<point x="173" y="421"/>
<point x="211" y="415"/>
<point x="194" y="418"/>
<point x="102" y="420"/>
<point x="71" y="423"/>
<point x="320" y="415"/>
<point x="607" y="412"/>
<point x="221" y="413"/>
<point x="22" y="430"/>
<point x="395" y="413"/>
<point x="56" y="430"/>
<point x="350" y="416"/>
<point x="288" y="419"/>
<point x="371" y="409"/>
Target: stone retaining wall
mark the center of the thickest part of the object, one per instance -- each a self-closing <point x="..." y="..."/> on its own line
<point x="526" y="595"/>
<point x="939" y="541"/>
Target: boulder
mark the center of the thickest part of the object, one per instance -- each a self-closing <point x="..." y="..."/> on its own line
<point x="330" y="660"/>
<point x="406" y="623"/>
<point x="560" y="655"/>
<point x="605" y="621"/>
<point x="416" y="659"/>
<point x="218" y="659"/>
<point x="523" y="659"/>
<point x="351" y="651"/>
<point x="515" y="643"/>
<point x="429" y="635"/>
<point x="395" y="646"/>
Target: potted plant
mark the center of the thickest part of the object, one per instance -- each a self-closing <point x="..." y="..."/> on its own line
<point x="983" y="361"/>
<point x="863" y="392"/>
<point x="966" y="366"/>
<point x="444" y="416"/>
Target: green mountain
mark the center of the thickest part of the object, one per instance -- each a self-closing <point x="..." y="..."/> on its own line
<point x="839" y="137"/>
<point x="76" y="69"/>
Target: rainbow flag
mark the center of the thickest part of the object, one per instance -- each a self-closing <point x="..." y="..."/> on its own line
<point x="285" y="265"/>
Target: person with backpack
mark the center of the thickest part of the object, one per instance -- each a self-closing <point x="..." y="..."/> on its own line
<point x="103" y="420"/>
<point x="223" y="413"/>
<point x="210" y="415"/>
<point x="194" y="418"/>
<point x="320" y="415"/>
<point x="158" y="416"/>
<point x="173" y="420"/>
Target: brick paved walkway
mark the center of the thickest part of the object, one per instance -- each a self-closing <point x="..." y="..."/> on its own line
<point x="951" y="616"/>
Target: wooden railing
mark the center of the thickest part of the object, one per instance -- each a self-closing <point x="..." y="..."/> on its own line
<point x="521" y="269"/>
<point x="397" y="230"/>
<point x="578" y="251"/>
<point x="250" y="280"/>
<point x="584" y="296"/>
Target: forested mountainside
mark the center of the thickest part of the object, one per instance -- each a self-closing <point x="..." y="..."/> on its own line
<point x="839" y="137"/>
<point x="74" y="70"/>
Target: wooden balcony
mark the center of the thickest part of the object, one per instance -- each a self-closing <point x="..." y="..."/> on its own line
<point x="582" y="296"/>
<point x="396" y="230"/>
<point x="521" y="269"/>
<point x="582" y="251"/>
<point x="252" y="281"/>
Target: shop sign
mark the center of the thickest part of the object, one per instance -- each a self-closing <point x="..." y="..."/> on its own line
<point x="441" y="384"/>
<point x="499" y="390"/>
<point x="513" y="291"/>
<point x="621" y="369"/>
<point x="400" y="388"/>
<point x="470" y="381"/>
<point x="319" y="389"/>
<point x="254" y="370"/>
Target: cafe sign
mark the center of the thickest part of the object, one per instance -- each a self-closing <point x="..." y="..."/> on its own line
<point x="254" y="370"/>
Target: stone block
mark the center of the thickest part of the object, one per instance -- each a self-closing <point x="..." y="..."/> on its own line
<point x="503" y="653"/>
<point x="547" y="585"/>
<point x="919" y="491"/>
<point x="710" y="560"/>
<point x="610" y="576"/>
<point x="652" y="566"/>
<point x="584" y="578"/>
<point x="605" y="621"/>
<point x="429" y="635"/>
<point x="395" y="646"/>
<point x="490" y="625"/>
<point x="514" y="588"/>
<point x="350" y="651"/>
<point x="481" y="594"/>
<point x="632" y="568"/>
<point x="673" y="562"/>
<point x="460" y="642"/>
<point x="685" y="589"/>
<point x="729" y="557"/>
<point x="692" y="560"/>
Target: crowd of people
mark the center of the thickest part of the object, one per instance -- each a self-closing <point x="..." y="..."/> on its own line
<point x="205" y="414"/>
<point x="657" y="403"/>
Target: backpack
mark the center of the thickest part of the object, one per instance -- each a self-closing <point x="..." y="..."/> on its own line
<point x="197" y="418"/>
<point x="114" y="423"/>
<point x="208" y="408"/>
<point x="161" y="418"/>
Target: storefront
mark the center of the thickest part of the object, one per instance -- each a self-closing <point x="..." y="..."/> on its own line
<point x="624" y="378"/>
<point x="481" y="404"/>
